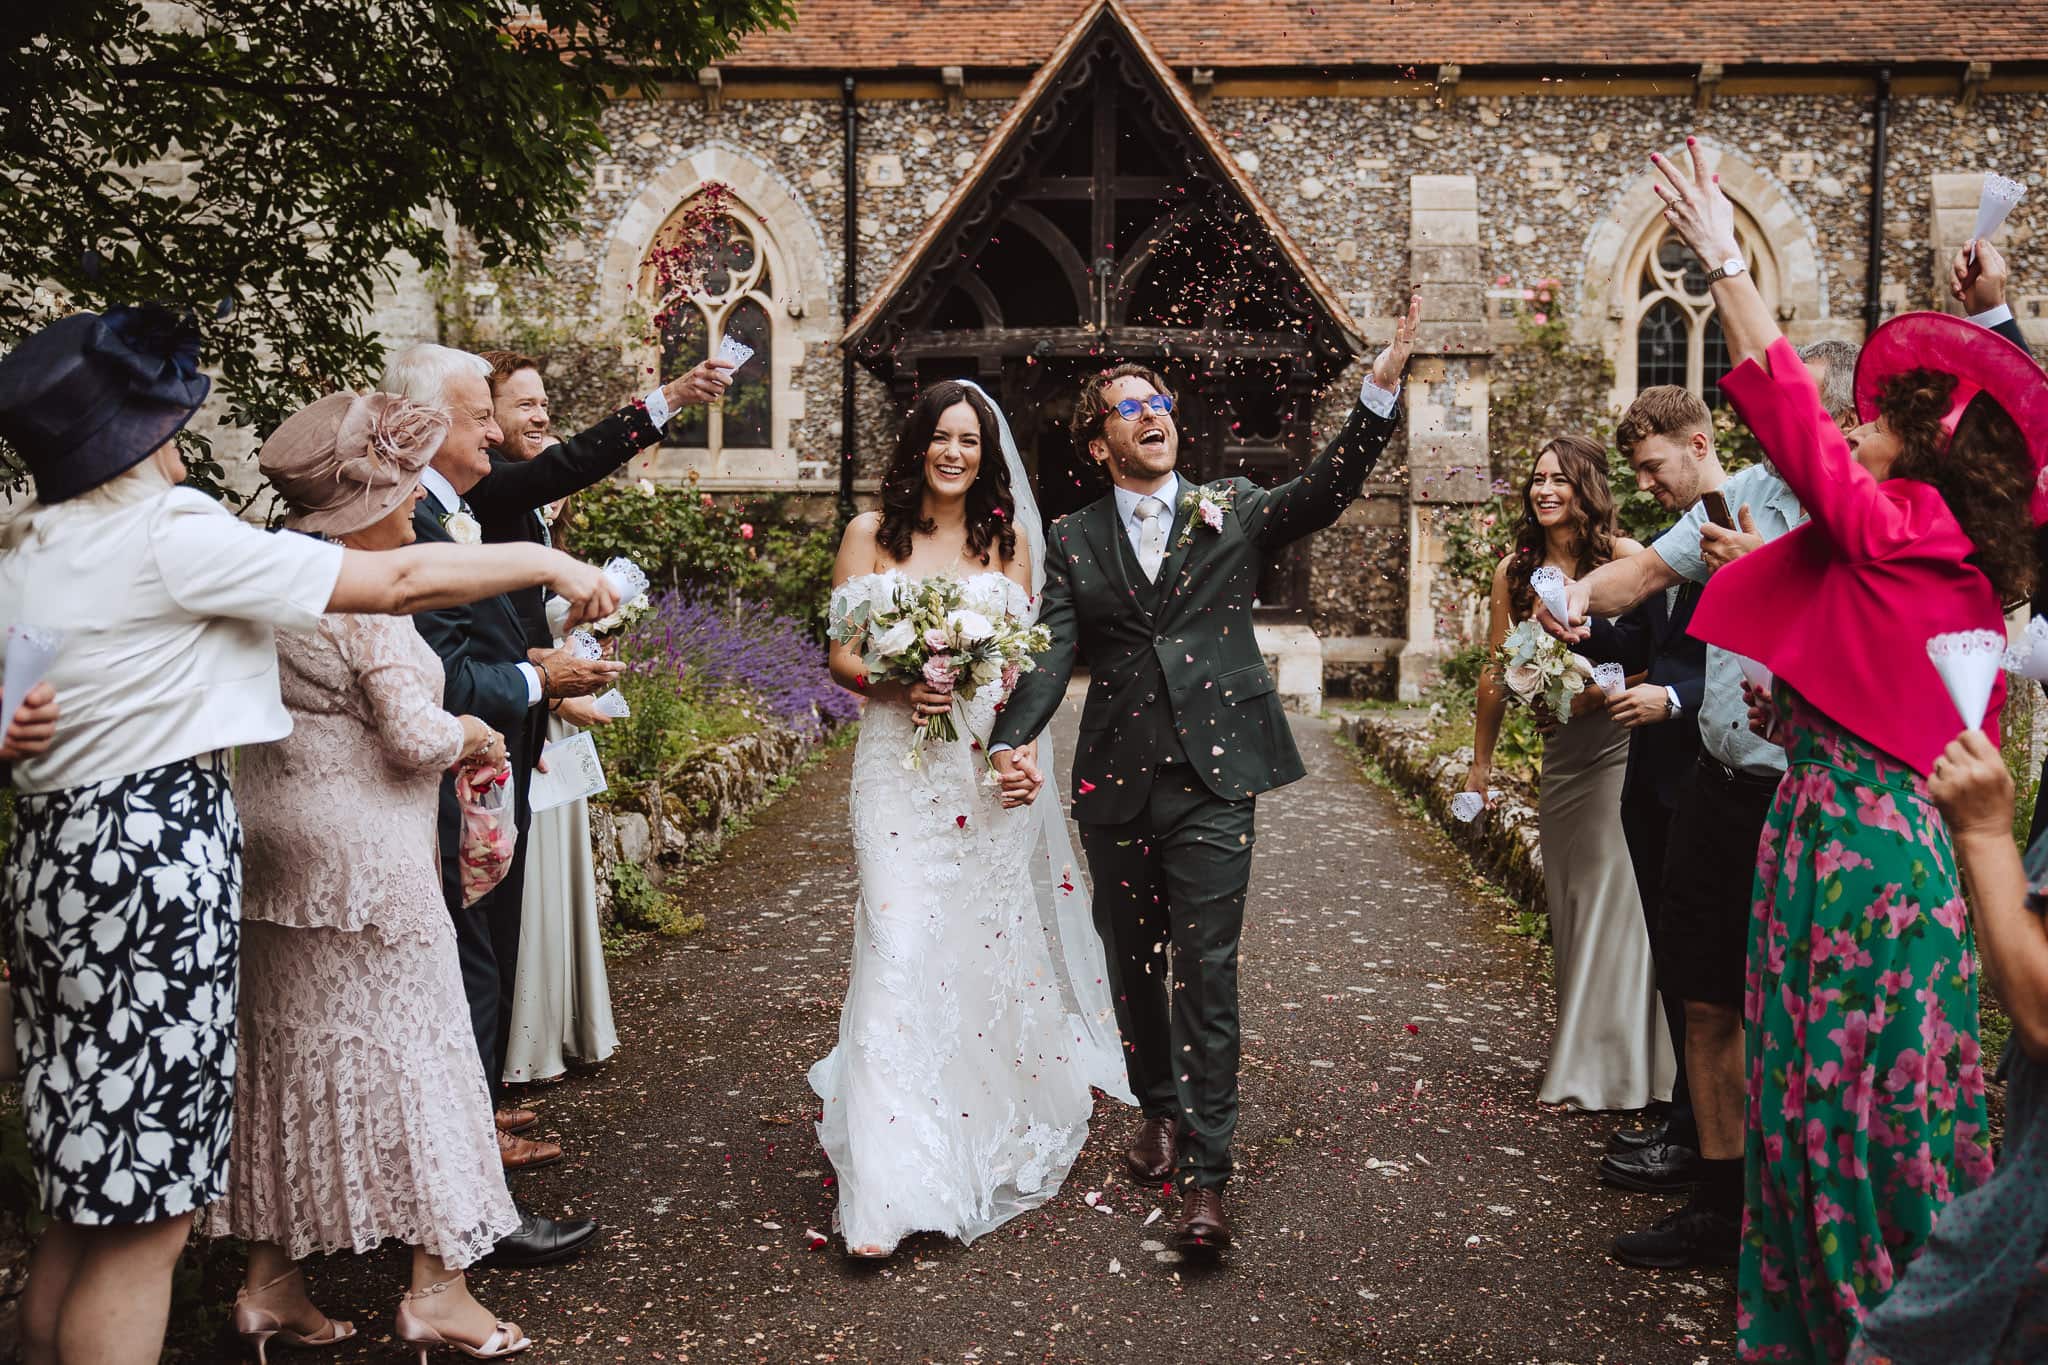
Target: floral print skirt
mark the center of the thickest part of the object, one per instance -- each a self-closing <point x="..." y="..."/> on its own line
<point x="122" y="904"/>
<point x="1865" y="1109"/>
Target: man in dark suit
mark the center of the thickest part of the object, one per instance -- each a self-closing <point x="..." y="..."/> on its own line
<point x="1151" y="589"/>
<point x="509" y="504"/>
<point x="487" y="674"/>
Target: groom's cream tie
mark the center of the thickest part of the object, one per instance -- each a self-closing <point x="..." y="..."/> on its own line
<point x="1151" y="514"/>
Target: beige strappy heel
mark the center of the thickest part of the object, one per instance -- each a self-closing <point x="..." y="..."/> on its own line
<point x="258" y="1326"/>
<point x="415" y="1331"/>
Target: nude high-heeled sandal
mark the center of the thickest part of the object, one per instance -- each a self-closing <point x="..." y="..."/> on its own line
<point x="415" y="1331"/>
<point x="258" y="1325"/>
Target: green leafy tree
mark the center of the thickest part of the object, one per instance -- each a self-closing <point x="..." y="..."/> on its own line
<point x="266" y="161"/>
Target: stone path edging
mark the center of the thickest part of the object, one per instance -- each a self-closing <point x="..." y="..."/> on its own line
<point x="1502" y="843"/>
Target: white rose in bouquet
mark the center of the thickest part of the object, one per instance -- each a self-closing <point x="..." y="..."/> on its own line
<point x="894" y="640"/>
<point x="970" y="627"/>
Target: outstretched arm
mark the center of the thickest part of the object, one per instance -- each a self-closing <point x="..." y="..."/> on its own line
<point x="1038" y="693"/>
<point x="1278" y="516"/>
<point x="1610" y="590"/>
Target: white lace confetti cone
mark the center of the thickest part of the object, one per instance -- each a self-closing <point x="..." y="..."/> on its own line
<point x="1759" y="677"/>
<point x="1994" y="202"/>
<point x="1609" y="678"/>
<point x="1968" y="662"/>
<point x="1548" y="584"/>
<point x="30" y="652"/>
<point x="581" y="644"/>
<point x="2028" y="655"/>
<point x="1467" y="805"/>
<point x="738" y="352"/>
<point x="628" y="579"/>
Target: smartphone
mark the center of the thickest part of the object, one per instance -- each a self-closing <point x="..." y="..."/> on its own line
<point x="1717" y="510"/>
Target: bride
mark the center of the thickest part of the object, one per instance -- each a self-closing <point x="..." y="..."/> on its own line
<point x="977" y="1016"/>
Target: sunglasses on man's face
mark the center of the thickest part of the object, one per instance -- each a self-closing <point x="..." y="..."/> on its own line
<point x="1129" y="408"/>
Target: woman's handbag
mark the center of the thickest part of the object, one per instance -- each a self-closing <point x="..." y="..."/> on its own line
<point x="489" y="835"/>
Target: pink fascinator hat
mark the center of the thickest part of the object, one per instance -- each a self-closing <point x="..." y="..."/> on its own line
<point x="1981" y="360"/>
<point x="346" y="461"/>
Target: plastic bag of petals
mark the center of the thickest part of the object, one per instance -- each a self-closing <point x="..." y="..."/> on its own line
<point x="489" y="835"/>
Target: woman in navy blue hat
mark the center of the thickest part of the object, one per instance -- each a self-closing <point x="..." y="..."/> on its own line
<point x="123" y="884"/>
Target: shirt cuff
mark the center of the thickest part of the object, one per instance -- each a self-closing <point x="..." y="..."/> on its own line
<point x="995" y="749"/>
<point x="1991" y="317"/>
<point x="1377" y="400"/>
<point x="1676" y="708"/>
<point x="533" y="689"/>
<point x="658" y="410"/>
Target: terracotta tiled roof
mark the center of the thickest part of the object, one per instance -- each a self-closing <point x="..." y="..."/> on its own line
<point x="1318" y="34"/>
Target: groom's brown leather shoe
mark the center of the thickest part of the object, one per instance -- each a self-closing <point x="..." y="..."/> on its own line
<point x="1203" y="1230"/>
<point x="1154" y="1152"/>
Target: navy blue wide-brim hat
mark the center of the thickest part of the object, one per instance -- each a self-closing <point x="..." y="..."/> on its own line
<point x="90" y="396"/>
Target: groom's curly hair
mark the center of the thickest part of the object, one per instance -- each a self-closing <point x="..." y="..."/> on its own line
<point x="991" y="510"/>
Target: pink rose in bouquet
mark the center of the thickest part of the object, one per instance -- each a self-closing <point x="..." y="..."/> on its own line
<point x="938" y="671"/>
<point x="936" y="639"/>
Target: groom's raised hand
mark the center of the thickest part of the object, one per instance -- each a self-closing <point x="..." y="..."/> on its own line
<point x="1389" y="365"/>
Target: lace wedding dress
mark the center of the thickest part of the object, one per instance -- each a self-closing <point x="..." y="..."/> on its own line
<point x="958" y="1096"/>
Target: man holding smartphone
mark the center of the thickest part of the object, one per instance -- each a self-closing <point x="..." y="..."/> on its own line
<point x="1704" y="915"/>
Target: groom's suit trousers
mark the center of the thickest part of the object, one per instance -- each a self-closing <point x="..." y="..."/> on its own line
<point x="1176" y="877"/>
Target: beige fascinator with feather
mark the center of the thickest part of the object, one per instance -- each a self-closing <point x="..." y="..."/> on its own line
<point x="346" y="461"/>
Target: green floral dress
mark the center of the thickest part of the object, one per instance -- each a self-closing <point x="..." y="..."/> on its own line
<point x="1866" y="1094"/>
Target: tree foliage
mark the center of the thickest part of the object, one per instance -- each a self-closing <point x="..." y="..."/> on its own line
<point x="265" y="161"/>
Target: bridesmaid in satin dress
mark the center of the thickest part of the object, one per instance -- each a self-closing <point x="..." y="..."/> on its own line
<point x="1611" y="1049"/>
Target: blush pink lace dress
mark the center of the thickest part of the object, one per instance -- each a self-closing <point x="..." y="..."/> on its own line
<point x="360" y="1107"/>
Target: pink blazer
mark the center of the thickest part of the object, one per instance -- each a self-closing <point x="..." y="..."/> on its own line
<point x="1842" y="608"/>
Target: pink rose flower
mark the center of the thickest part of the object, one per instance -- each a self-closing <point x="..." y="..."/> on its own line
<point x="746" y="530"/>
<point x="938" y="671"/>
<point x="935" y="638"/>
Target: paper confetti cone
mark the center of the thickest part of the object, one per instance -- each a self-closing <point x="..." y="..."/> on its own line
<point x="1994" y="202"/>
<point x="628" y="579"/>
<point x="1548" y="584"/>
<point x="30" y="652"/>
<point x="1467" y="805"/>
<point x="1968" y="662"/>
<point x="738" y="352"/>
<point x="1609" y="678"/>
<point x="1759" y="677"/>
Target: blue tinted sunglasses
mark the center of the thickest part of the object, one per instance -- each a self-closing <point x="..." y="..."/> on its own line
<point x="1129" y="408"/>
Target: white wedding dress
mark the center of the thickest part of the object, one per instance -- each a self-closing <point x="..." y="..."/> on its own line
<point x="958" y="1095"/>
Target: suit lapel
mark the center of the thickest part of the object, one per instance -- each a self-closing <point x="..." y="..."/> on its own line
<point x="1179" y="544"/>
<point x="1112" y="549"/>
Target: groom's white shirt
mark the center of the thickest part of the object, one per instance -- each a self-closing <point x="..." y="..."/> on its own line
<point x="1127" y="508"/>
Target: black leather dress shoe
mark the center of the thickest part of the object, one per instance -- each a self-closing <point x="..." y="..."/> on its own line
<point x="1689" y="1237"/>
<point x="541" y="1241"/>
<point x="1660" y="1168"/>
<point x="1632" y="1139"/>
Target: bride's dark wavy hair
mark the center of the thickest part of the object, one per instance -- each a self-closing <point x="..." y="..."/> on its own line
<point x="991" y="512"/>
<point x="1583" y="463"/>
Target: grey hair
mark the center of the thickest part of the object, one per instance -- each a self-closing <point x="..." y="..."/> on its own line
<point x="1838" y="387"/>
<point x="421" y="372"/>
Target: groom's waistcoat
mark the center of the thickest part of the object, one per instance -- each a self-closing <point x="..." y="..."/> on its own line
<point x="1175" y="673"/>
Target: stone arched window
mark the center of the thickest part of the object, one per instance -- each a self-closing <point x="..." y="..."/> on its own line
<point x="1645" y="302"/>
<point x="1671" y="335"/>
<point x="771" y="288"/>
<point x="738" y="299"/>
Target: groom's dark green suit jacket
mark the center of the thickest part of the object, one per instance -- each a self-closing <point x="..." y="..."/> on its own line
<point x="1175" y="673"/>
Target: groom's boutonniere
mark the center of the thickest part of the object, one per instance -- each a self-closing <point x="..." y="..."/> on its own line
<point x="462" y="528"/>
<point x="1210" y="503"/>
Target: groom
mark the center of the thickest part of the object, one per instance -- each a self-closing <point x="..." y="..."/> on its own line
<point x="1151" y="588"/>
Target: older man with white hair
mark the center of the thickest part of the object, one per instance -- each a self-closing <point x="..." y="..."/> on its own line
<point x="492" y="674"/>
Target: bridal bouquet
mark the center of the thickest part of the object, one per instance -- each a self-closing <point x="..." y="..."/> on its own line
<point x="936" y="630"/>
<point x="1537" y="667"/>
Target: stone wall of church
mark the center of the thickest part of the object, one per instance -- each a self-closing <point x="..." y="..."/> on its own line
<point x="1336" y="172"/>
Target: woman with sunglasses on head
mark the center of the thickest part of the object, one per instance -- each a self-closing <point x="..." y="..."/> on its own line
<point x="1865" y="1111"/>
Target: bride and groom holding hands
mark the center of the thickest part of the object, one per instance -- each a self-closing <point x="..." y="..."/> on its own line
<point x="989" y="992"/>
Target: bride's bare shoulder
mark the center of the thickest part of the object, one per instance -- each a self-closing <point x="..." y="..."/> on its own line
<point x="860" y="549"/>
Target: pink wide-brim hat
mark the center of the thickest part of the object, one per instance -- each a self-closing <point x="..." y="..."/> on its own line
<point x="1982" y="362"/>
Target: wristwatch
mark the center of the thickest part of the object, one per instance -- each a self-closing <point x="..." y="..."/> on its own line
<point x="1732" y="266"/>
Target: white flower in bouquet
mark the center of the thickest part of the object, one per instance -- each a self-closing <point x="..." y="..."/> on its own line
<point x="1537" y="667"/>
<point x="894" y="641"/>
<point x="970" y="627"/>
